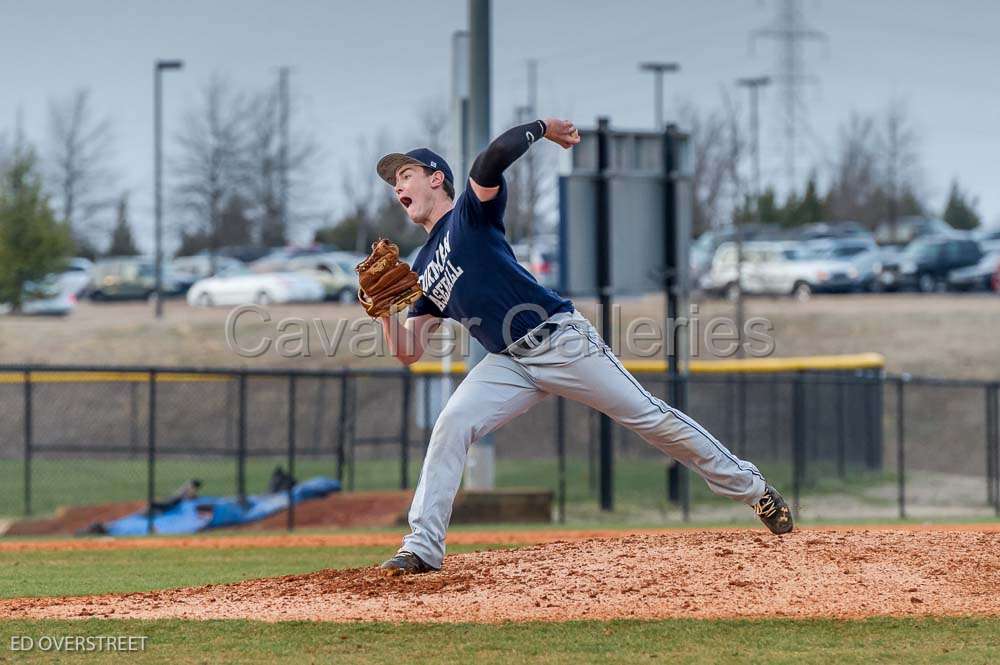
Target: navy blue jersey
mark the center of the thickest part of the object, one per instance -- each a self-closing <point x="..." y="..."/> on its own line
<point x="468" y="273"/>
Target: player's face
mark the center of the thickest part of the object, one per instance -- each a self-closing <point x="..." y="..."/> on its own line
<point x="414" y="192"/>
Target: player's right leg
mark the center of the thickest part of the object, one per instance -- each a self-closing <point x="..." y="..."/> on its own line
<point x="496" y="390"/>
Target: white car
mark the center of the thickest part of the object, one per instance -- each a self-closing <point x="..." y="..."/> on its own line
<point x="778" y="268"/>
<point x="75" y="278"/>
<point x="239" y="286"/>
<point x="192" y="268"/>
<point x="47" y="298"/>
<point x="860" y="252"/>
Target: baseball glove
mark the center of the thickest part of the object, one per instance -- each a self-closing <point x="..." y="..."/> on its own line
<point x="387" y="284"/>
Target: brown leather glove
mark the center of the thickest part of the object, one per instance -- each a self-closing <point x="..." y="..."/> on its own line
<point x="387" y="284"/>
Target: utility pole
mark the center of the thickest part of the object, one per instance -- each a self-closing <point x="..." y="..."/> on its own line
<point x="659" y="69"/>
<point x="283" y="113"/>
<point x="459" y="107"/>
<point x="753" y="85"/>
<point x="791" y="33"/>
<point x="158" y="68"/>
<point x="480" y="472"/>
<point x="526" y="114"/>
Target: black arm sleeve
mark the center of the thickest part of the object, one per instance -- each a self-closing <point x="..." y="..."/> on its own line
<point x="504" y="151"/>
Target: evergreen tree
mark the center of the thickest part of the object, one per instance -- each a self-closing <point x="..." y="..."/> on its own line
<point x="32" y="243"/>
<point x="960" y="211"/>
<point x="122" y="243"/>
<point x="807" y="210"/>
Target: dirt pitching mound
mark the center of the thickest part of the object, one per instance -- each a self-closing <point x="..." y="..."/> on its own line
<point x="817" y="573"/>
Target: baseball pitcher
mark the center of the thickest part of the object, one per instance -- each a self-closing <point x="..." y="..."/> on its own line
<point x="538" y="344"/>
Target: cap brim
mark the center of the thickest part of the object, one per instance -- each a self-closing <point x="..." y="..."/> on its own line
<point x="388" y="165"/>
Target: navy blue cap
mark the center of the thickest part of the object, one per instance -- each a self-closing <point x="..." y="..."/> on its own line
<point x="388" y="165"/>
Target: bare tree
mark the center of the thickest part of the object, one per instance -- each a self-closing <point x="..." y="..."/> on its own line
<point x="900" y="160"/>
<point x="359" y="186"/>
<point x="876" y="168"/>
<point x="854" y="176"/>
<point x="79" y="150"/>
<point x="529" y="187"/>
<point x="432" y="122"/>
<point x="717" y="142"/>
<point x="265" y="166"/>
<point x="209" y="166"/>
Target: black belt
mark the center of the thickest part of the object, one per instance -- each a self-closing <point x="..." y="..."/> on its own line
<point x="532" y="340"/>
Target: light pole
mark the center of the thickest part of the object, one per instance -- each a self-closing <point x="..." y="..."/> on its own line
<point x="658" y="69"/>
<point x="158" y="172"/>
<point x="753" y="84"/>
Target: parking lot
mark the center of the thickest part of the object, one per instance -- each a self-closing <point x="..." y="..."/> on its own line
<point x="950" y="335"/>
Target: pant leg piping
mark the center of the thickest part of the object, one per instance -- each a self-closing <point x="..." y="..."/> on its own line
<point x="677" y="414"/>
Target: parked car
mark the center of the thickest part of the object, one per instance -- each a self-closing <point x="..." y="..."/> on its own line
<point x="703" y="249"/>
<point x="187" y="270"/>
<point x="907" y="229"/>
<point x="277" y="259"/>
<point x="129" y="277"/>
<point x="240" y="285"/>
<point x="334" y="270"/>
<point x="977" y="277"/>
<point x="925" y="263"/>
<point x="75" y="277"/>
<point x="888" y="278"/>
<point x="861" y="252"/>
<point x="833" y="230"/>
<point x="779" y="268"/>
<point x="47" y="297"/>
<point x="544" y="263"/>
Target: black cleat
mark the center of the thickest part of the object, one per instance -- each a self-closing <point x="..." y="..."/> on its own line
<point x="774" y="512"/>
<point x="406" y="563"/>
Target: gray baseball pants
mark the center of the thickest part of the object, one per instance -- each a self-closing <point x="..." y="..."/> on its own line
<point x="576" y="364"/>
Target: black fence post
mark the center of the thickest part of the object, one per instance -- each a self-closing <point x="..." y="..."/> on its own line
<point x="841" y="426"/>
<point x="996" y="449"/>
<point x="151" y="452"/>
<point x="133" y="418"/>
<point x="352" y="423"/>
<point x="28" y="441"/>
<point x="605" y="290"/>
<point x="241" y="440"/>
<point x="404" y="433"/>
<point x="993" y="447"/>
<point x="900" y="447"/>
<point x="879" y="375"/>
<point x="291" y="449"/>
<point x="732" y="417"/>
<point x="561" y="458"/>
<point x="680" y="398"/>
<point x="775" y="378"/>
<point x="798" y="439"/>
<point x="342" y="427"/>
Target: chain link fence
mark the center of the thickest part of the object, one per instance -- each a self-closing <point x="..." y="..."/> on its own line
<point x="840" y="444"/>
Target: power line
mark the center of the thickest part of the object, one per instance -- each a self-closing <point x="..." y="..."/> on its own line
<point x="791" y="33"/>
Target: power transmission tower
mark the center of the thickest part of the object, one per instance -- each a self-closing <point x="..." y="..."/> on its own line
<point x="791" y="33"/>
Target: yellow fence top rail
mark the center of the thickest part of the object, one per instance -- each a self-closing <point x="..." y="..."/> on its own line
<point x="110" y="377"/>
<point x="736" y="365"/>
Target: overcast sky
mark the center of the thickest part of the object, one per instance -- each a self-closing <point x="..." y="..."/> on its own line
<point x="360" y="68"/>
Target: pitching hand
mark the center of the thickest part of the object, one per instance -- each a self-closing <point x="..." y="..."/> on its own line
<point x="562" y="132"/>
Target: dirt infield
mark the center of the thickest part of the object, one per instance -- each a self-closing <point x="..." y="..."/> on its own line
<point x="701" y="574"/>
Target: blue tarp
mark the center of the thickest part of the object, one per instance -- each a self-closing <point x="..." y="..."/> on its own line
<point x="207" y="512"/>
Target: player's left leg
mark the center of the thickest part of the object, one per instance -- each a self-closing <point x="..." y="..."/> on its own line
<point x="594" y="376"/>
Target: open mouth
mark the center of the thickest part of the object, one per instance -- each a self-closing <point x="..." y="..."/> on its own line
<point x="406" y="201"/>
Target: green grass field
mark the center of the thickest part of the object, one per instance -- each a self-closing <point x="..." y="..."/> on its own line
<point x="964" y="640"/>
<point x="640" y="484"/>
